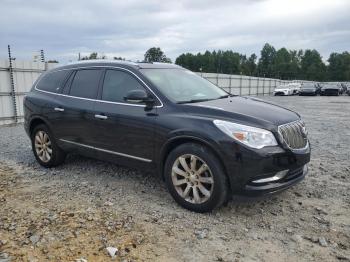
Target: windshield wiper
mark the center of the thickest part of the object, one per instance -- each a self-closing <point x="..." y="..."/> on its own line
<point x="194" y="101"/>
<point x="225" y="96"/>
<point x="204" y="99"/>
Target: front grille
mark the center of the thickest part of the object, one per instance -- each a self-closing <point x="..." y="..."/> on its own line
<point x="293" y="134"/>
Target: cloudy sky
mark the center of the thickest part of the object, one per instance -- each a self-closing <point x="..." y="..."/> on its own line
<point x="128" y="28"/>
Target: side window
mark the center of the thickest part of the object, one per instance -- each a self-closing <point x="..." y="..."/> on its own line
<point x="68" y="83"/>
<point x="85" y="83"/>
<point x="52" y="81"/>
<point x="117" y="84"/>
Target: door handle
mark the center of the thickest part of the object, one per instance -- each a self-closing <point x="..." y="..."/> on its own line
<point x="103" y="117"/>
<point x="59" y="109"/>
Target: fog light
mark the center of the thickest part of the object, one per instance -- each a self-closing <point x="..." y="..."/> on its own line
<point x="279" y="175"/>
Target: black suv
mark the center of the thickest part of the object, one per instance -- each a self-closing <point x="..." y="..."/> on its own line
<point x="205" y="143"/>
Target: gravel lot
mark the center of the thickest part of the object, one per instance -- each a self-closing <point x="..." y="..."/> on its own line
<point x="75" y="211"/>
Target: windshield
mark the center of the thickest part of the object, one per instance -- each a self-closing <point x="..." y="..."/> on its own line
<point x="183" y="86"/>
<point x="308" y="87"/>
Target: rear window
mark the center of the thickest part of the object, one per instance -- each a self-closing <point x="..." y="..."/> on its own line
<point x="52" y="81"/>
<point x="85" y="83"/>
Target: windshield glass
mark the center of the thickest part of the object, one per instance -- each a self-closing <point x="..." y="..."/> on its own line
<point x="183" y="86"/>
<point x="308" y="86"/>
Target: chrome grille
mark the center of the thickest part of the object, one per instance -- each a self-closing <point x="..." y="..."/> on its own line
<point x="293" y="134"/>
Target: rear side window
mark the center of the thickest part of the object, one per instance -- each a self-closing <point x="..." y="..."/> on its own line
<point x="117" y="84"/>
<point x="52" y="81"/>
<point x="85" y="83"/>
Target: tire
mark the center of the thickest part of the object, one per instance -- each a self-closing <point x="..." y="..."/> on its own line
<point x="57" y="156"/>
<point x="218" y="189"/>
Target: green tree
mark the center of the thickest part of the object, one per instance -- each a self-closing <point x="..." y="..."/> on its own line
<point x="339" y="66"/>
<point x="92" y="56"/>
<point x="312" y="66"/>
<point x="266" y="61"/>
<point x="119" y="58"/>
<point x="282" y="63"/>
<point x="248" y="66"/>
<point x="295" y="64"/>
<point x="155" y="54"/>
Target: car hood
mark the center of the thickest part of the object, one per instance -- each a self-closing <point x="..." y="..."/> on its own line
<point x="245" y="110"/>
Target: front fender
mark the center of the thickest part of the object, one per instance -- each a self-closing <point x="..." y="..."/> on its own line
<point x="179" y="137"/>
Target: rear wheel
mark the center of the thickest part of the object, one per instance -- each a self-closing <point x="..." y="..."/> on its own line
<point x="195" y="178"/>
<point x="44" y="147"/>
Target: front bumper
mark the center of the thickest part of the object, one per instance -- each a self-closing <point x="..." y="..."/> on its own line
<point x="291" y="178"/>
<point x="307" y="93"/>
<point x="255" y="172"/>
<point x="281" y="93"/>
<point x="330" y="92"/>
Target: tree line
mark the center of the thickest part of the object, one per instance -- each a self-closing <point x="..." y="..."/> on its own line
<point x="282" y="63"/>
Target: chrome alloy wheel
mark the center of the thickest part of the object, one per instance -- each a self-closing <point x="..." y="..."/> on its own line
<point x="43" y="147"/>
<point x="192" y="179"/>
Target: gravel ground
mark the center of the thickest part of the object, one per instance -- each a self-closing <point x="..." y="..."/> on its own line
<point x="75" y="211"/>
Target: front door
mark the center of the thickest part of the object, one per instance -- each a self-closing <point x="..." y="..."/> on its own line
<point x="123" y="130"/>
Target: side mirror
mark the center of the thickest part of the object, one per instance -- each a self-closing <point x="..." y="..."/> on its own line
<point x="139" y="96"/>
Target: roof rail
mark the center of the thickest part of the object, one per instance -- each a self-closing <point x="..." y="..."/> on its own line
<point x="103" y="61"/>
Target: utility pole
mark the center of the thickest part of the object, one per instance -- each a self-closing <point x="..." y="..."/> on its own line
<point x="12" y="83"/>
<point x="42" y="56"/>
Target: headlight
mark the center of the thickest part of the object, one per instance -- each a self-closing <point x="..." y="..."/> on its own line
<point x="251" y="136"/>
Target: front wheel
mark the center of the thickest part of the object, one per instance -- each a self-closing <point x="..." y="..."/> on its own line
<point x="195" y="178"/>
<point x="45" y="149"/>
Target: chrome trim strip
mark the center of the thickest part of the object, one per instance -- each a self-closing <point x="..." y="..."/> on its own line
<point x="213" y="107"/>
<point x="107" y="151"/>
<point x="101" y="117"/>
<point x="274" y="178"/>
<point x="102" y="101"/>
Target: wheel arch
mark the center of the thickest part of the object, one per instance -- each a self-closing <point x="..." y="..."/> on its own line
<point x="172" y="143"/>
<point x="35" y="121"/>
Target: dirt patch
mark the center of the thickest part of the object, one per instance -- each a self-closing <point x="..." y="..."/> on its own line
<point x="34" y="227"/>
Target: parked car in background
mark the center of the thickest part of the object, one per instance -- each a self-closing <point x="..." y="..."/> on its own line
<point x="295" y="88"/>
<point x="308" y="89"/>
<point x="283" y="90"/>
<point x="330" y="90"/>
<point x="318" y="88"/>
<point x="205" y="143"/>
<point x="343" y="88"/>
<point x="347" y="89"/>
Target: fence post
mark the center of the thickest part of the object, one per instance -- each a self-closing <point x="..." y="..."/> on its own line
<point x="240" y="86"/>
<point x="250" y="85"/>
<point x="264" y="83"/>
<point x="230" y="84"/>
<point x="13" y="93"/>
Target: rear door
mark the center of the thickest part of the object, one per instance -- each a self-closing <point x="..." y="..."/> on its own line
<point x="77" y="105"/>
<point x="48" y="100"/>
<point x="123" y="130"/>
